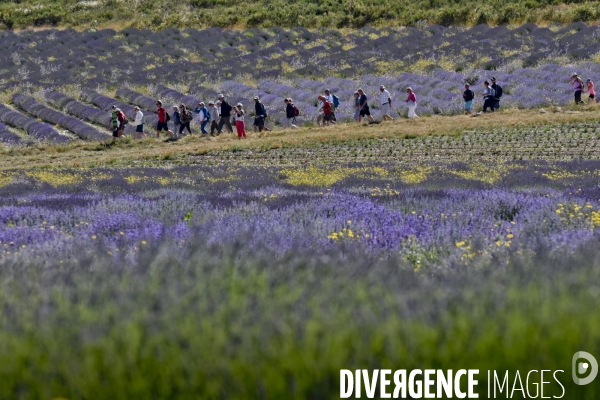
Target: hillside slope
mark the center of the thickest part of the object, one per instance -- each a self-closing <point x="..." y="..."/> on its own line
<point x="18" y="14"/>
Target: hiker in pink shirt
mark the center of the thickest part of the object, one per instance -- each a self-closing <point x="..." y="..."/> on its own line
<point x="412" y="103"/>
<point x="591" y="91"/>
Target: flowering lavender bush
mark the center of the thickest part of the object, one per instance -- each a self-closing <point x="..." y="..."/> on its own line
<point x="35" y="129"/>
<point x="229" y="272"/>
<point x="74" y="125"/>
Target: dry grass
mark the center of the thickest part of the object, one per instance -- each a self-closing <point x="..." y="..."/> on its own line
<point x="130" y="153"/>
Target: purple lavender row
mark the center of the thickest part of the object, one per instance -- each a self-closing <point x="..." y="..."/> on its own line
<point x="33" y="127"/>
<point x="9" y="138"/>
<point x="76" y="108"/>
<point x="75" y="125"/>
<point x="105" y="103"/>
<point x="143" y="101"/>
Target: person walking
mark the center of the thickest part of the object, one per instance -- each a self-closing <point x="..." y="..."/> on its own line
<point x="176" y="121"/>
<point x="213" y="118"/>
<point x="138" y="122"/>
<point x="364" y="106"/>
<point x="260" y="115"/>
<point x="591" y="90"/>
<point x="412" y="103"/>
<point x="331" y="99"/>
<point x="356" y="107"/>
<point x="468" y="96"/>
<point x="327" y="113"/>
<point x="497" y="90"/>
<point x="114" y="124"/>
<point x="386" y="104"/>
<point x="162" y="120"/>
<point x="488" y="97"/>
<point x="320" y="111"/>
<point x="290" y="113"/>
<point x="203" y="116"/>
<point x="239" y="121"/>
<point x="225" y="116"/>
<point x="578" y="85"/>
<point x="186" y="118"/>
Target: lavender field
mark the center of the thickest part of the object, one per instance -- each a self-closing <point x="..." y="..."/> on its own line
<point x="206" y="269"/>
<point x="67" y="80"/>
<point x="262" y="282"/>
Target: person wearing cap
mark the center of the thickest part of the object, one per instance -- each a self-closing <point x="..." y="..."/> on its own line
<point x="578" y="85"/>
<point x="468" y="96"/>
<point x="213" y="110"/>
<point x="162" y="120"/>
<point x="591" y="90"/>
<point x="386" y="104"/>
<point x="497" y="90"/>
<point x="138" y="122"/>
<point x="225" y="116"/>
<point x="290" y="113"/>
<point x="203" y="116"/>
<point x="412" y="103"/>
<point x="260" y="114"/>
<point x="364" y="106"/>
<point x="239" y="121"/>
<point x="329" y="97"/>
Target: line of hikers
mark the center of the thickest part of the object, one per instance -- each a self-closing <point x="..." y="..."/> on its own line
<point x="219" y="113"/>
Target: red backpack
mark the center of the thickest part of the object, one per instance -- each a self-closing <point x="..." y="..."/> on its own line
<point x="296" y="110"/>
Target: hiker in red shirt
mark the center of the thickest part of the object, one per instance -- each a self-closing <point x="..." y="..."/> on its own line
<point x="327" y="113"/>
<point x="162" y="120"/>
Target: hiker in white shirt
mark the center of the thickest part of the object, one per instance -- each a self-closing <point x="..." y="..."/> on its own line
<point x="214" y="117"/>
<point x="386" y="104"/>
<point x="139" y="124"/>
<point x="329" y="97"/>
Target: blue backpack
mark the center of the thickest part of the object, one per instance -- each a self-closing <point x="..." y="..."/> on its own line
<point x="336" y="101"/>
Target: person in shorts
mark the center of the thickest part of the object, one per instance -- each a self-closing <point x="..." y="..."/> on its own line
<point x="138" y="122"/>
<point x="591" y="90"/>
<point x="260" y="114"/>
<point x="162" y="120"/>
<point x="468" y="96"/>
<point x="364" y="106"/>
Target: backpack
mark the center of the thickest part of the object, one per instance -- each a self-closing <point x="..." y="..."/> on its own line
<point x="498" y="91"/>
<point x="168" y="118"/>
<point x="296" y="110"/>
<point x="336" y="101"/>
<point x="264" y="111"/>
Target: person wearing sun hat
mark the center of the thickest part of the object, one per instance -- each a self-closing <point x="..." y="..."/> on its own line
<point x="239" y="121"/>
<point x="386" y="104"/>
<point x="578" y="85"/>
